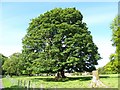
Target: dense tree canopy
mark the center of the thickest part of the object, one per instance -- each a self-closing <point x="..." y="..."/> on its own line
<point x="59" y="40"/>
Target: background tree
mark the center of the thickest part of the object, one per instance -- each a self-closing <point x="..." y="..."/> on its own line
<point x="113" y="66"/>
<point x="58" y="40"/>
<point x="2" y="60"/>
<point x="115" y="26"/>
<point x="13" y="65"/>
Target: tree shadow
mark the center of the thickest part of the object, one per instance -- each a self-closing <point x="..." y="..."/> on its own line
<point x="62" y="79"/>
<point x="21" y="88"/>
<point x="104" y="76"/>
<point x="50" y="79"/>
<point x="15" y="87"/>
<point x="80" y="78"/>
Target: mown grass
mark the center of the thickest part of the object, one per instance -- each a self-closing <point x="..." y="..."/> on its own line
<point x="49" y="82"/>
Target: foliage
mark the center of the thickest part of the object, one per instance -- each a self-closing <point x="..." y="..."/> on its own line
<point x="101" y="70"/>
<point x="58" y="40"/>
<point x="115" y="26"/>
<point x="2" y="60"/>
<point x="13" y="64"/>
<point x="113" y="66"/>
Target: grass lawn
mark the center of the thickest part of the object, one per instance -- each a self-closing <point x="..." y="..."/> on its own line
<point x="49" y="82"/>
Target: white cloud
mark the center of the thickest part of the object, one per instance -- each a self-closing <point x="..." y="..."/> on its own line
<point x="8" y="50"/>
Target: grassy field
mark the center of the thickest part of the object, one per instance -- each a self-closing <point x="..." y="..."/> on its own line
<point x="49" y="82"/>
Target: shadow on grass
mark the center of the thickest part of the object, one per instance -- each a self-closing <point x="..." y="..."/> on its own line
<point x="15" y="87"/>
<point x="109" y="76"/>
<point x="104" y="76"/>
<point x="52" y="79"/>
<point x="80" y="78"/>
<point x="62" y="79"/>
<point x="21" y="88"/>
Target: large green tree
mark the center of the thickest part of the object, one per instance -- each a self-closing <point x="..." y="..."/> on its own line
<point x="59" y="40"/>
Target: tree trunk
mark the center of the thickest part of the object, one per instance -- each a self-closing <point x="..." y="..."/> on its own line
<point x="62" y="74"/>
<point x="10" y="75"/>
<point x="58" y="75"/>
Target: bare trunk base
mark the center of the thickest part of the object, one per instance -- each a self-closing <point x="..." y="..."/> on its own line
<point x="63" y="74"/>
<point x="97" y="84"/>
<point x="60" y="75"/>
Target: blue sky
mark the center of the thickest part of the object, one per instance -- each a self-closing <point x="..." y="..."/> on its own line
<point x="15" y="17"/>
